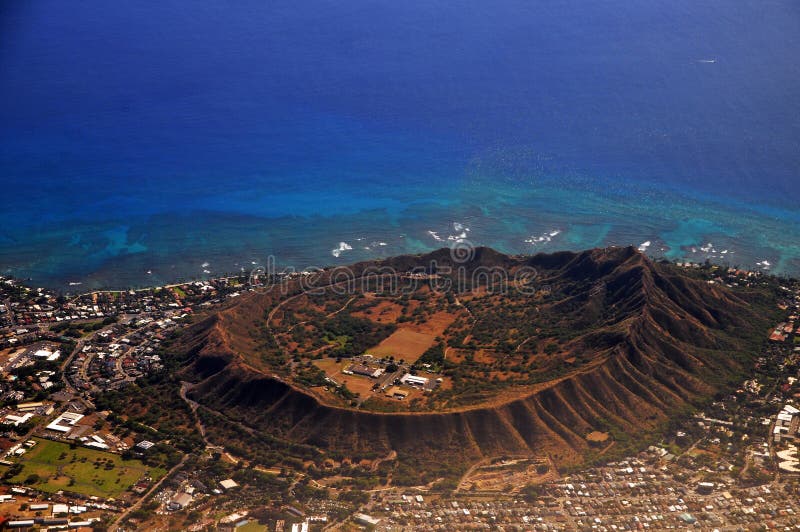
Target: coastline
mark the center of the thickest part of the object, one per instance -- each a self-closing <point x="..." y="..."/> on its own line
<point x="243" y="280"/>
<point x="170" y="249"/>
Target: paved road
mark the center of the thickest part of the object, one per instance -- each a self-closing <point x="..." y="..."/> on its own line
<point x="65" y="366"/>
<point x="152" y="490"/>
<point x="11" y="317"/>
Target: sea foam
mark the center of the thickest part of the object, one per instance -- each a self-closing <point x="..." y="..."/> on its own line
<point x="543" y="238"/>
<point x="343" y="246"/>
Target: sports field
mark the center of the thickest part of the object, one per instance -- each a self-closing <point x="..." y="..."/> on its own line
<point x="81" y="470"/>
<point x="404" y="344"/>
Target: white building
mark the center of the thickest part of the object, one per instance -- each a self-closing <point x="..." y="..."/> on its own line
<point x="48" y="355"/>
<point x="414" y="380"/>
<point x="65" y="422"/>
<point x="60" y="509"/>
<point x="17" y="420"/>
<point x="228" y="484"/>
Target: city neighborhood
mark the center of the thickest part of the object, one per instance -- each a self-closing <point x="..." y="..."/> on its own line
<point x="70" y="462"/>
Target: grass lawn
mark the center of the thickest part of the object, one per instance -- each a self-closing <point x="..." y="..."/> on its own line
<point x="332" y="368"/>
<point x="252" y="526"/>
<point x="181" y="294"/>
<point x="82" y="470"/>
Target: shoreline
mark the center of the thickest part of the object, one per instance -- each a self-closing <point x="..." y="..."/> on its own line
<point x="244" y="276"/>
<point x="548" y="214"/>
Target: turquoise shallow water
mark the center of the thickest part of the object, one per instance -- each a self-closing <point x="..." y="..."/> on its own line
<point x="527" y="219"/>
<point x="145" y="144"/>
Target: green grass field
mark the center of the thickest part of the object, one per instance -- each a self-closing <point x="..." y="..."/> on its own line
<point x="81" y="470"/>
<point x="179" y="292"/>
<point x="252" y="526"/>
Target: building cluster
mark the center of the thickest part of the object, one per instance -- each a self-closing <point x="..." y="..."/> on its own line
<point x="27" y="314"/>
<point x="22" y="306"/>
<point x="30" y="355"/>
<point x="388" y="376"/>
<point x="641" y="493"/>
<point x="363" y="369"/>
<point x="25" y="509"/>
<point x="785" y="436"/>
<point x="783" y="330"/>
<point x="121" y="353"/>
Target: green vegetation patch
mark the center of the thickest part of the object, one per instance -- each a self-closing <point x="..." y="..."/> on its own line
<point x="179" y="292"/>
<point x="352" y="336"/>
<point x="52" y="466"/>
<point x="252" y="526"/>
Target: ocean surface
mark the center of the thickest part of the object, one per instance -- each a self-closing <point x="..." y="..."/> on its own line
<point x="145" y="143"/>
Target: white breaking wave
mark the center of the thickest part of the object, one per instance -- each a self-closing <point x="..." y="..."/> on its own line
<point x="644" y="245"/>
<point x="708" y="248"/>
<point x="462" y="231"/>
<point x="543" y="238"/>
<point x="343" y="246"/>
<point x="374" y="244"/>
<point x="459" y="234"/>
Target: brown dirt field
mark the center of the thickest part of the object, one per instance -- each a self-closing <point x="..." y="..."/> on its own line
<point x="413" y="393"/>
<point x="404" y="344"/>
<point x="332" y="368"/>
<point x="499" y="477"/>
<point x="6" y="354"/>
<point x="436" y="324"/>
<point x="384" y="312"/>
<point x="382" y="403"/>
<point x="697" y="452"/>
<point x="355" y="383"/>
<point x="446" y="384"/>
<point x="597" y="437"/>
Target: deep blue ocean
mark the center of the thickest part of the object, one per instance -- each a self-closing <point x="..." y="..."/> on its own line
<point x="146" y="142"/>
